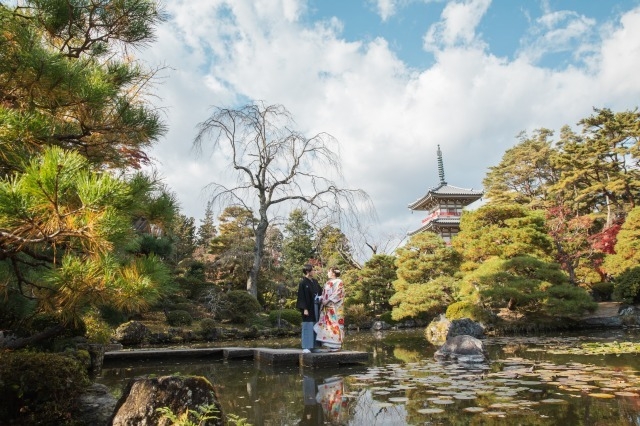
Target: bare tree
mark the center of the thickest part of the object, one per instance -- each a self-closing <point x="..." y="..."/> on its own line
<point x="276" y="166"/>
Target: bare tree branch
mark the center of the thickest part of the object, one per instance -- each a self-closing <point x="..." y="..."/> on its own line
<point x="276" y="165"/>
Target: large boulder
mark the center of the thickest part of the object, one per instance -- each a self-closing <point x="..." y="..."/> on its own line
<point x="462" y="348"/>
<point x="132" y="333"/>
<point x="143" y="396"/>
<point x="441" y="329"/>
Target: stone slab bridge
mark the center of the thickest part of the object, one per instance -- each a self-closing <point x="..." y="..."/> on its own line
<point x="265" y="356"/>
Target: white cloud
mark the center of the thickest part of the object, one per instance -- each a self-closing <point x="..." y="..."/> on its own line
<point x="386" y="8"/>
<point x="559" y="31"/>
<point x="387" y="117"/>
<point x="458" y="25"/>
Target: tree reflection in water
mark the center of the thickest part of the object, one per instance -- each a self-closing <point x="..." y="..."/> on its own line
<point x="404" y="385"/>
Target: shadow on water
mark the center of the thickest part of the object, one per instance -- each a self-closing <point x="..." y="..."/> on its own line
<point x="525" y="382"/>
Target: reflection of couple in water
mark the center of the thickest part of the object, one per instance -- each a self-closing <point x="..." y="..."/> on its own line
<point x="324" y="403"/>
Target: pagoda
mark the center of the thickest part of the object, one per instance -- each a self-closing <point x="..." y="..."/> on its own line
<point x="443" y="205"/>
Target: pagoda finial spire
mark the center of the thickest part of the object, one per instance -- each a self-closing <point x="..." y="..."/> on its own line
<point x="441" y="167"/>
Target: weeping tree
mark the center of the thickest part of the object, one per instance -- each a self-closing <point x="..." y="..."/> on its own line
<point x="275" y="166"/>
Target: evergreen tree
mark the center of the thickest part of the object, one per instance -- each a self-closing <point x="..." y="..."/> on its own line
<point x="298" y="245"/>
<point x="65" y="240"/>
<point x="63" y="84"/>
<point x="207" y="229"/>
<point x="233" y="247"/>
<point x="333" y="248"/>
<point x="184" y="238"/>
<point x="373" y="286"/>
<point x="524" y="173"/>
<point x="72" y="105"/>
<point x="504" y="231"/>
<point x="425" y="284"/>
<point x="527" y="286"/>
<point x="597" y="170"/>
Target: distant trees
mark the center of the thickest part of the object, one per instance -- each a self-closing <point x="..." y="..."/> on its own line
<point x="372" y="286"/>
<point x="274" y="165"/>
<point x="585" y="183"/>
<point x="525" y="172"/>
<point x="297" y="246"/>
<point x="233" y="246"/>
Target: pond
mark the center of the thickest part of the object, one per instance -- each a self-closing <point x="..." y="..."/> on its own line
<point x="544" y="380"/>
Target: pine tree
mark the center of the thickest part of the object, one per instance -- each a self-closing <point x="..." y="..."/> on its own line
<point x="298" y="245"/>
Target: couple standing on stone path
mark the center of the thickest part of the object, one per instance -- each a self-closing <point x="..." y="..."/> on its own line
<point x="322" y="311"/>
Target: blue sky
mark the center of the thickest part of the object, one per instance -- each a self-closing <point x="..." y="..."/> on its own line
<point x="392" y="80"/>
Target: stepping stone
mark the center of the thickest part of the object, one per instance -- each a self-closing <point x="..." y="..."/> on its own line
<point x="328" y="359"/>
<point x="277" y="356"/>
<point x="238" y="353"/>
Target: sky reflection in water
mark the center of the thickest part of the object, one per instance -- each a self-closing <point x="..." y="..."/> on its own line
<point x="523" y="383"/>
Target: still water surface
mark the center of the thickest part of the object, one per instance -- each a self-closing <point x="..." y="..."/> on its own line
<point x="526" y="381"/>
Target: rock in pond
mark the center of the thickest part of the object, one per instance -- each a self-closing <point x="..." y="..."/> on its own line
<point x="143" y="396"/>
<point x="441" y="329"/>
<point x="462" y="348"/>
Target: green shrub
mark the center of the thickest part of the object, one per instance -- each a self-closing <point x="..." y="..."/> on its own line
<point x="178" y="317"/>
<point x="260" y="321"/>
<point x="602" y="291"/>
<point x="39" y="388"/>
<point x="208" y="328"/>
<point x="469" y="310"/>
<point x="357" y="315"/>
<point x="240" y="307"/>
<point x="98" y="331"/>
<point x="292" y="316"/>
<point x="386" y="317"/>
<point x="626" y="287"/>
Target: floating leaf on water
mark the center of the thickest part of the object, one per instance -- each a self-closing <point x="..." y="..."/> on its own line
<point x="398" y="399"/>
<point x="504" y="405"/>
<point x="553" y="401"/>
<point x="529" y="382"/>
<point x="474" y="409"/>
<point x="382" y="392"/>
<point x="625" y="393"/>
<point x="601" y="395"/>
<point x="442" y="401"/>
<point x="494" y="413"/>
<point x="464" y="396"/>
<point x="430" y="411"/>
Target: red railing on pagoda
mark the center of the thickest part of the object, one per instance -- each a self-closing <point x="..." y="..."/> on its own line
<point x="438" y="214"/>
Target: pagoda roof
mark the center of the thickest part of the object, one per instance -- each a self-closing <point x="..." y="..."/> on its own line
<point x="439" y="222"/>
<point x="445" y="190"/>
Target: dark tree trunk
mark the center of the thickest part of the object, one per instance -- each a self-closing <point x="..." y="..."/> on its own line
<point x="23" y="342"/>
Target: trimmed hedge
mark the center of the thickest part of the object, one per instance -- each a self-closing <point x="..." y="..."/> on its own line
<point x="178" y="318"/>
<point x="240" y="307"/>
